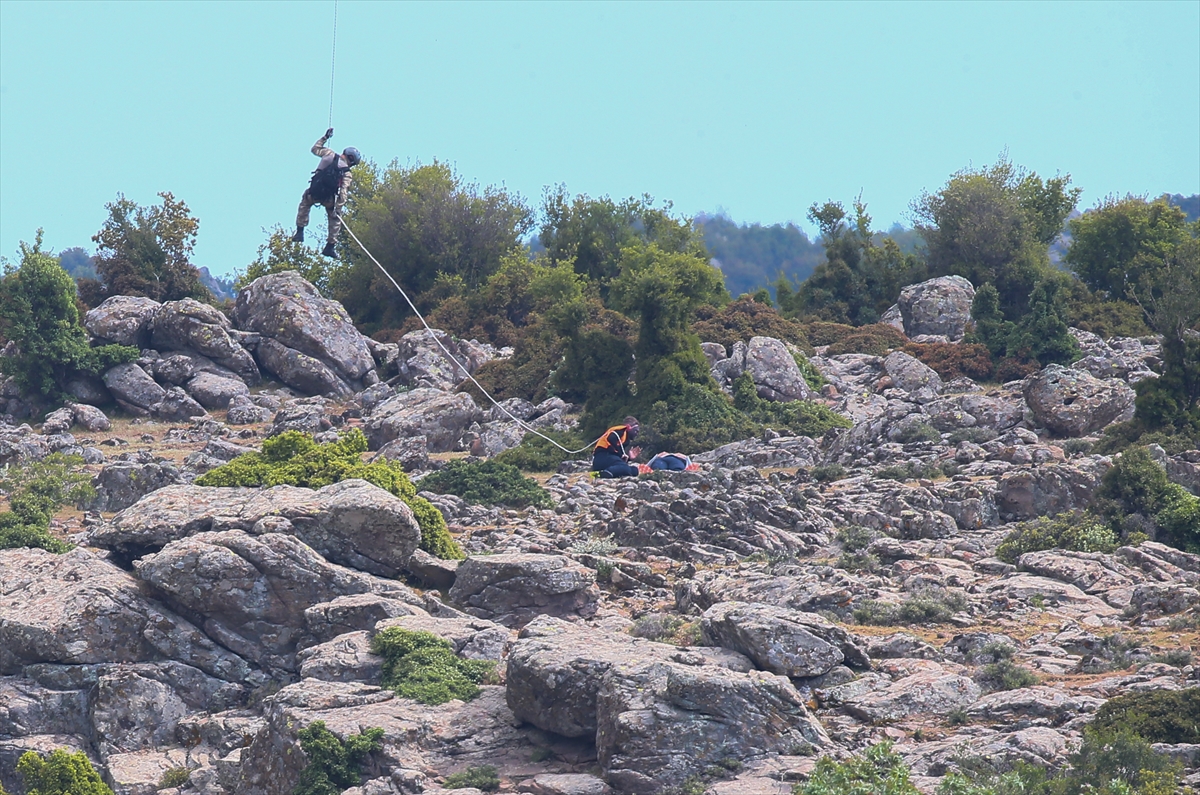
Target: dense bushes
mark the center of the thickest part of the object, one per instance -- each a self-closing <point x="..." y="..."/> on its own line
<point x="334" y="765"/>
<point x="35" y="492"/>
<point x="955" y="359"/>
<point x="295" y="459"/>
<point x="424" y="667"/>
<point x="536" y="454"/>
<point x="1135" y="495"/>
<point x="877" y="339"/>
<point x="60" y="773"/>
<point x="801" y="417"/>
<point x="487" y="483"/>
<point x="1159" y="716"/>
<point x="746" y="318"/>
<point x="1076" y="531"/>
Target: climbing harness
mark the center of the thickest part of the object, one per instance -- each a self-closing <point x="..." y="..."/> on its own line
<point x="452" y="358"/>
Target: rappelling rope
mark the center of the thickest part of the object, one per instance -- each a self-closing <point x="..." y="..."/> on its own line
<point x="333" y="63"/>
<point x="453" y="358"/>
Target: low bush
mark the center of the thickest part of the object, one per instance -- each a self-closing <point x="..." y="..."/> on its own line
<point x="855" y="538"/>
<point x="1004" y="674"/>
<point x="484" y="777"/>
<point x="1137" y="485"/>
<point x="877" y="339"/>
<point x="60" y="773"/>
<point x="820" y="332"/>
<point x="488" y="483"/>
<point x="424" y="667"/>
<point x="812" y="376"/>
<point x="35" y="491"/>
<point x="175" y="777"/>
<point x="535" y="454"/>
<point x="922" y="607"/>
<point x="877" y="771"/>
<point x="801" y="417"/>
<point x="595" y="546"/>
<point x="955" y="359"/>
<point x="1078" y="532"/>
<point x="334" y="765"/>
<point x="1158" y="716"/>
<point x="656" y="626"/>
<point x="918" y="432"/>
<point x="827" y="473"/>
<point x="745" y="318"/>
<point x="699" y="419"/>
<point x="973" y="435"/>
<point x="295" y="459"/>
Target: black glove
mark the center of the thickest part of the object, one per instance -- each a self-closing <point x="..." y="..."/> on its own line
<point x="328" y="133"/>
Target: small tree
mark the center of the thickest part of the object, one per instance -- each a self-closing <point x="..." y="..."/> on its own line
<point x="61" y="773"/>
<point x="1123" y="243"/>
<point x="38" y="312"/>
<point x="280" y="253"/>
<point x="146" y="251"/>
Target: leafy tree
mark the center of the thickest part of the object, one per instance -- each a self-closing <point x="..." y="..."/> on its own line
<point x="592" y="234"/>
<point x="146" y="251"/>
<point x="38" y="312"/>
<point x="993" y="225"/>
<point x="280" y="253"/>
<point x="35" y="492"/>
<point x="1121" y="244"/>
<point x="419" y="222"/>
<point x="61" y="773"/>
<point x="334" y="765"/>
<point x="860" y="278"/>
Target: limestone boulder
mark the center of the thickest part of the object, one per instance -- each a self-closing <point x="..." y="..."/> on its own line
<point x="89" y="417"/>
<point x="660" y="723"/>
<point x="188" y="325"/>
<point x="940" y="306"/>
<point x="176" y="405"/>
<point x="778" y="640"/>
<point x="120" y="484"/>
<point x="123" y="320"/>
<point x="913" y="376"/>
<point x="1075" y="403"/>
<point x="441" y="417"/>
<point x="1027" y="493"/>
<point x="287" y="309"/>
<point x="437" y="360"/>
<point x="214" y="392"/>
<point x="513" y="588"/>
<point x="306" y="374"/>
<point x="133" y="386"/>
<point x="932" y="691"/>
<point x="774" y="370"/>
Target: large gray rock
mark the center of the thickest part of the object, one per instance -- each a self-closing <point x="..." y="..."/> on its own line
<point x="177" y="405"/>
<point x="659" y="723"/>
<point x="353" y="522"/>
<point x="913" y="376"/>
<point x="781" y="641"/>
<point x="252" y="590"/>
<point x="77" y="608"/>
<point x="286" y="308"/>
<point x="940" y="306"/>
<point x="1075" y="403"/>
<point x="214" y="392"/>
<point x="188" y="325"/>
<point x="120" y="484"/>
<point x="441" y="417"/>
<point x="123" y="319"/>
<point x="352" y="613"/>
<point x="1028" y="493"/>
<point x="89" y="417"/>
<point x="512" y="589"/>
<point x="130" y="384"/>
<point x="304" y="373"/>
<point x="423" y="362"/>
<point x="932" y="691"/>
<point x="770" y="364"/>
<point x="555" y="670"/>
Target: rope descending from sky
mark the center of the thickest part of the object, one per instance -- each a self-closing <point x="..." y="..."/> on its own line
<point x="333" y="62"/>
<point x="452" y="357"/>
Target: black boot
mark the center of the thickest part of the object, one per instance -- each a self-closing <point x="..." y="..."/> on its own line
<point x="328" y="251"/>
<point x="299" y="236"/>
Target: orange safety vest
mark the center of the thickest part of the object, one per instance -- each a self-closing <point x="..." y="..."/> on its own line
<point x="623" y="435"/>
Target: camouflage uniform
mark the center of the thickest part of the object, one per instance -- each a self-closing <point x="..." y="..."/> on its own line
<point x="333" y="207"/>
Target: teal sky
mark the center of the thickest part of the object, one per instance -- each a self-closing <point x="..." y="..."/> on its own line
<point x="757" y="109"/>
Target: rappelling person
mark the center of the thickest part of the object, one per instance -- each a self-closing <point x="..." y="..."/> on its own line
<point x="612" y="458"/>
<point x="329" y="186"/>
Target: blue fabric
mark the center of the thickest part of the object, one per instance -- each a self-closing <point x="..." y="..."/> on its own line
<point x="671" y="462"/>
<point x="612" y="466"/>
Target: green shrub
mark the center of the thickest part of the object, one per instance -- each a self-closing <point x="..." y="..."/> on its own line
<point x="743" y="319"/>
<point x="295" y="459"/>
<point x="1137" y="484"/>
<point x="488" y="483"/>
<point x="484" y="777"/>
<point x="1107" y="759"/>
<point x="877" y="771"/>
<point x="812" y="376"/>
<point x="35" y="491"/>
<point x="424" y="667"/>
<point x="656" y="626"/>
<point x="801" y="417"/>
<point x="699" y="419"/>
<point x="535" y="454"/>
<point x="1158" y="716"/>
<point x="820" y="332"/>
<point x="827" y="473"/>
<point x="1078" y="532"/>
<point x="918" y="432"/>
<point x="877" y="339"/>
<point x="1004" y="674"/>
<point x="175" y="777"/>
<point x="334" y="765"/>
<point x="595" y="546"/>
<point x="61" y="773"/>
<point x="920" y="607"/>
<point x="855" y="539"/>
<point x="955" y="359"/>
<point x="973" y="435"/>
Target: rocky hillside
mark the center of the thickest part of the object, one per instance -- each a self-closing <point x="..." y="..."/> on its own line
<point x="711" y="631"/>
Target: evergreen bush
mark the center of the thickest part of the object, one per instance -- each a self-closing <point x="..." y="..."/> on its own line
<point x="876" y="339"/>
<point x="535" y="454"/>
<point x="424" y="667"/>
<point x="483" y="777"/>
<point x="1136" y="484"/>
<point x="1078" y="532"/>
<point x="1158" y="716"/>
<point x="35" y="491"/>
<point x="295" y="459"/>
<point x="60" y="773"/>
<point x="877" y="771"/>
<point x="743" y="319"/>
<point x="488" y="483"/>
<point x="334" y="765"/>
<point x="801" y="417"/>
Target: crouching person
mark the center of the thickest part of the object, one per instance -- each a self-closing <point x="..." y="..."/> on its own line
<point x="612" y="457"/>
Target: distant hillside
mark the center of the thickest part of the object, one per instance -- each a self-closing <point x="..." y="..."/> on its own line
<point x="79" y="264"/>
<point x="753" y="256"/>
<point x="1189" y="204"/>
<point x="222" y="289"/>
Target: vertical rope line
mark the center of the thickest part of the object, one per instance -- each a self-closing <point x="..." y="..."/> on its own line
<point x="333" y="62"/>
